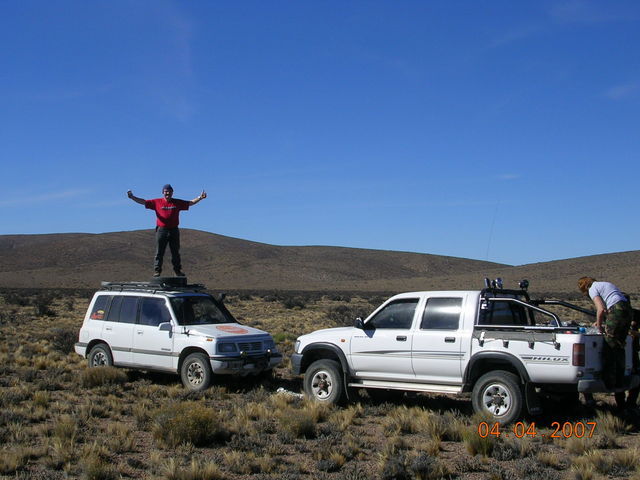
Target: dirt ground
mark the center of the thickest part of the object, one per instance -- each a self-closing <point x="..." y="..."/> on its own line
<point x="59" y="419"/>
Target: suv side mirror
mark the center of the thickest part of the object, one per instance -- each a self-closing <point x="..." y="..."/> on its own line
<point x="165" y="327"/>
<point x="359" y="323"/>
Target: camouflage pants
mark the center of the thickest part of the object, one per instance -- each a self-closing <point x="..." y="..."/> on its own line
<point x="616" y="328"/>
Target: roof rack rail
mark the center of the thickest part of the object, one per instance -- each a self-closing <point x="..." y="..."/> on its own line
<point x="161" y="284"/>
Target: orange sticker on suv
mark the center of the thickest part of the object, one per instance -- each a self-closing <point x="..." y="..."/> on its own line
<point x="232" y="329"/>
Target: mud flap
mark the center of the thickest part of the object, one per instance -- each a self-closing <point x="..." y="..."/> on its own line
<point x="534" y="407"/>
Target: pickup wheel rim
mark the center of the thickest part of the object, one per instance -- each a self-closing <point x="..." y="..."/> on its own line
<point x="497" y="399"/>
<point x="322" y="385"/>
<point x="195" y="373"/>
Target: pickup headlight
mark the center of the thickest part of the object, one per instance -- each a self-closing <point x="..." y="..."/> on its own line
<point x="297" y="346"/>
<point x="227" y="347"/>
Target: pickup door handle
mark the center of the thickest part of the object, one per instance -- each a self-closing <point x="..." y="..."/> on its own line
<point x="401" y="338"/>
<point x="450" y="339"/>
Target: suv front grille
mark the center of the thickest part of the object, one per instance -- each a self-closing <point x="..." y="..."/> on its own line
<point x="250" y="346"/>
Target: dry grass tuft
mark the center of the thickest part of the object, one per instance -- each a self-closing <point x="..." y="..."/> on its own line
<point x="100" y="376"/>
<point x="196" y="470"/>
<point x="188" y="423"/>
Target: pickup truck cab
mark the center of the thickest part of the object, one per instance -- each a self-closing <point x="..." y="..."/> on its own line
<point x="169" y="326"/>
<point x="495" y="343"/>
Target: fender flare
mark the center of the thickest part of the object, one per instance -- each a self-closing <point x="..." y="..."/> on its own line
<point x="326" y="346"/>
<point x="501" y="357"/>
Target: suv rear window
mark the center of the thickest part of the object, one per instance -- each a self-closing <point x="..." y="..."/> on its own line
<point x="100" y="307"/>
<point x="200" y="310"/>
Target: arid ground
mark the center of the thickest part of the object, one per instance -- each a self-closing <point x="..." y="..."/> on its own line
<point x="60" y="419"/>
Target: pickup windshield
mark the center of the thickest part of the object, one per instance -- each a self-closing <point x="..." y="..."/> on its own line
<point x="200" y="310"/>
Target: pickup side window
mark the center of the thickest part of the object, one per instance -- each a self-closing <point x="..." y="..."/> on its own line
<point x="441" y="314"/>
<point x="154" y="312"/>
<point x="100" y="307"/>
<point x="398" y="314"/>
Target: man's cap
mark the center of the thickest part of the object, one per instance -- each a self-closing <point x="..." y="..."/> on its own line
<point x="167" y="187"/>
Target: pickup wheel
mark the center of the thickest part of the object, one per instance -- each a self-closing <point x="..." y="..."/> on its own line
<point x="100" y="356"/>
<point x="323" y="381"/>
<point x="498" y="394"/>
<point x="196" y="372"/>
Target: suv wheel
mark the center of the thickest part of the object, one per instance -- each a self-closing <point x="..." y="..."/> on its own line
<point x="323" y="381"/>
<point x="498" y="394"/>
<point x="196" y="372"/>
<point x="100" y="356"/>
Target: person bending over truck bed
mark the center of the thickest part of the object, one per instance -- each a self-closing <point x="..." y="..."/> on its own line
<point x="613" y="318"/>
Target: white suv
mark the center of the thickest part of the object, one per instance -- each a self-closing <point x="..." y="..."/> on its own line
<point x="172" y="327"/>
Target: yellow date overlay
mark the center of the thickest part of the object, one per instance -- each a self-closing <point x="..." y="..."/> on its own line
<point x="522" y="429"/>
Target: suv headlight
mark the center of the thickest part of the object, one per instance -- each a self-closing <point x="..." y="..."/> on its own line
<point x="269" y="344"/>
<point x="227" y="347"/>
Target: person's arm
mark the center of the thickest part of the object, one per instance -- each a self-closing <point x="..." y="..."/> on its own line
<point x="139" y="200"/>
<point x="601" y="311"/>
<point x="202" y="196"/>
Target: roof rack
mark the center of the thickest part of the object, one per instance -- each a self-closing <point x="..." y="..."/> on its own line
<point x="162" y="284"/>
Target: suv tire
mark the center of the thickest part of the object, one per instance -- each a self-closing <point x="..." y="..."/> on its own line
<point x="499" y="395"/>
<point x="196" y="372"/>
<point x="323" y="382"/>
<point x="100" y="356"/>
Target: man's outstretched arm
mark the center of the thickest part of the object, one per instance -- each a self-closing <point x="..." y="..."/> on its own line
<point x="139" y="200"/>
<point x="202" y="196"/>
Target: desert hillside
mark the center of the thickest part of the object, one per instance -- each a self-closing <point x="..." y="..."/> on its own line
<point x="82" y="260"/>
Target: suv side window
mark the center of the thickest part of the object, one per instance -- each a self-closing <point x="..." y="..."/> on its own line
<point x="153" y="312"/>
<point x="398" y="314"/>
<point x="114" y="309"/>
<point x="128" y="309"/>
<point x="100" y="307"/>
<point x="441" y="314"/>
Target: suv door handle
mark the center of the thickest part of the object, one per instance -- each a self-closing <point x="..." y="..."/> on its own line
<point x="450" y="339"/>
<point x="401" y="338"/>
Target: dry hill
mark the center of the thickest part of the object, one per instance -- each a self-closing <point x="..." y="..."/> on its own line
<point x="83" y="260"/>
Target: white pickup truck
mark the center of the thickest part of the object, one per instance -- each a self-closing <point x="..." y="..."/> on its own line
<point x="495" y="343"/>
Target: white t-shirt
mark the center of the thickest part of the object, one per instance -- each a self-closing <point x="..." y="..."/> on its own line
<point x="609" y="293"/>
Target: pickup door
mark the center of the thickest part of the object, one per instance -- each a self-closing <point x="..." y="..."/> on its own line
<point x="382" y="350"/>
<point x="437" y="341"/>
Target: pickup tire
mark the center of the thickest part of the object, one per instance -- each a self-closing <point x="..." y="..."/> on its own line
<point x="323" y="382"/>
<point x="196" y="372"/>
<point x="100" y="356"/>
<point x="499" y="395"/>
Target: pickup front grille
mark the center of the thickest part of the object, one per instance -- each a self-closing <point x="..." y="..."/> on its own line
<point x="250" y="346"/>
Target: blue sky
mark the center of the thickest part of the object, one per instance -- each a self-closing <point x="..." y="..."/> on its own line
<point x="502" y="131"/>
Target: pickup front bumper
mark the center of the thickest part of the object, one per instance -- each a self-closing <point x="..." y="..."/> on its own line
<point x="296" y="363"/>
<point x="598" y="386"/>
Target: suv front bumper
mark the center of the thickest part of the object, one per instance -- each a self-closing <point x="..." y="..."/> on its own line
<point x="245" y="365"/>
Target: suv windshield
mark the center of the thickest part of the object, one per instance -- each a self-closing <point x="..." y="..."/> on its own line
<point x="199" y="310"/>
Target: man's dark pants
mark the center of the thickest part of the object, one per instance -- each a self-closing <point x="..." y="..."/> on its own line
<point x="166" y="236"/>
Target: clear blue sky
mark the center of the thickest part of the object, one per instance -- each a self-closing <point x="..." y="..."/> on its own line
<point x="503" y="131"/>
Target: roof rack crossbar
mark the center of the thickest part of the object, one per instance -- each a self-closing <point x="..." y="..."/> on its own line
<point x="151" y="287"/>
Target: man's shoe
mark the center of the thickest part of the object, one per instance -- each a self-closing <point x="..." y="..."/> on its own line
<point x="180" y="273"/>
<point x="156" y="274"/>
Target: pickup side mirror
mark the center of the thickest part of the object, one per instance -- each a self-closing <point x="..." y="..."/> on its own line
<point x="359" y="323"/>
<point x="165" y="327"/>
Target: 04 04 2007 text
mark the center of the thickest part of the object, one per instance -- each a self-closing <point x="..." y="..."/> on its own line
<point x="522" y="429"/>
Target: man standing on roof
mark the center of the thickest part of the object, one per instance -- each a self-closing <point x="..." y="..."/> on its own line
<point x="167" y="211"/>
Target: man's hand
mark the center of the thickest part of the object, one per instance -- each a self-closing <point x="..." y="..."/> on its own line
<point x="202" y="196"/>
